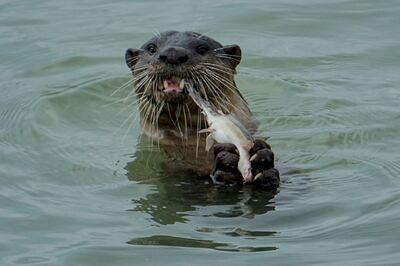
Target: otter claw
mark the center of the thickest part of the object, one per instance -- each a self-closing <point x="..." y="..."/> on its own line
<point x="258" y="176"/>
<point x="252" y="158"/>
<point x="268" y="179"/>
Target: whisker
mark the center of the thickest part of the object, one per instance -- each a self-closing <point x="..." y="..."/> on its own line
<point x="185" y="121"/>
<point x="218" y="67"/>
<point x="198" y="132"/>
<point x="190" y="117"/>
<point x="123" y="86"/>
<point x="129" y="82"/>
<point x="177" y="114"/>
<point x="143" y="82"/>
<point x="228" y="102"/>
<point x="158" y="117"/>
<point x="129" y="118"/>
<point x="228" y="57"/>
<point x="221" y="96"/>
<point x="225" y="82"/>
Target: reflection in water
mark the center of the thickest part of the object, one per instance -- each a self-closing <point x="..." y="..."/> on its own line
<point x="180" y="190"/>
<point x="159" y="240"/>
<point x="180" y="193"/>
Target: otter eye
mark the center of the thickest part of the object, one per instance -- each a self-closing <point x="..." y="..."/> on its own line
<point x="152" y="48"/>
<point x="202" y="49"/>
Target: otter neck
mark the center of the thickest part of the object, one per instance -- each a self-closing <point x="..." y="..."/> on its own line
<point x="184" y="120"/>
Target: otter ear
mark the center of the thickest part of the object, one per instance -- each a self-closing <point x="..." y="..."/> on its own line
<point x="132" y="56"/>
<point x="233" y="54"/>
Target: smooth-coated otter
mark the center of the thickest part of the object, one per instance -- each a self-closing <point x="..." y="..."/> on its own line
<point x="162" y="69"/>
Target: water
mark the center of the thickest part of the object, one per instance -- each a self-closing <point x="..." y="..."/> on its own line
<point x="321" y="76"/>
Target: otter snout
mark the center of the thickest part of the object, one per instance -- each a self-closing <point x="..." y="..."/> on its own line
<point x="174" y="55"/>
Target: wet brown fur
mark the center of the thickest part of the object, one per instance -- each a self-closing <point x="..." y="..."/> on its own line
<point x="173" y="120"/>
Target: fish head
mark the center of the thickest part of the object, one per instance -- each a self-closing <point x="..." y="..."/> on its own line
<point x="247" y="175"/>
<point x="244" y="167"/>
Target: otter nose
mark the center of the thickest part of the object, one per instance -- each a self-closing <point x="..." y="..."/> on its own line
<point x="174" y="56"/>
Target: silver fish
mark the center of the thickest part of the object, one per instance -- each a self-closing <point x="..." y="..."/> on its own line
<point x="225" y="128"/>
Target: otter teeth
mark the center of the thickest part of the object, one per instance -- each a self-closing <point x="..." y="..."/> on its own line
<point x="182" y="84"/>
<point x="165" y="84"/>
<point x="173" y="85"/>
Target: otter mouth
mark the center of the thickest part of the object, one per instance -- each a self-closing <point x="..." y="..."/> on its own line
<point x="173" y="84"/>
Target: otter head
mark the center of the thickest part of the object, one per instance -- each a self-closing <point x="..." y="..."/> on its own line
<point x="169" y="62"/>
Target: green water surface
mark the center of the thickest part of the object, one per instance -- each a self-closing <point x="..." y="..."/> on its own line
<point x="322" y="77"/>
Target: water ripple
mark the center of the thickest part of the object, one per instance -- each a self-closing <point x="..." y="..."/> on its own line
<point x="173" y="241"/>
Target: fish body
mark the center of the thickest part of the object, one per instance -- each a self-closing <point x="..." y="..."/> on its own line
<point x="225" y="128"/>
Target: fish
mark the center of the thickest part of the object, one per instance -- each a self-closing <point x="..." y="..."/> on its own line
<point x="226" y="128"/>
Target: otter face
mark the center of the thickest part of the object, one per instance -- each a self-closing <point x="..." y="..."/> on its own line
<point x="169" y="62"/>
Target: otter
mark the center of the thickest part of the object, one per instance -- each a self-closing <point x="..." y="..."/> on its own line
<point x="162" y="70"/>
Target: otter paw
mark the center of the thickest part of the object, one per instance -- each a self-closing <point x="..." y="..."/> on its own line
<point x="222" y="177"/>
<point x="267" y="179"/>
<point x="226" y="158"/>
<point x="226" y="162"/>
<point x="262" y="160"/>
<point x="228" y="147"/>
<point x="259" y="144"/>
<point x="225" y="165"/>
